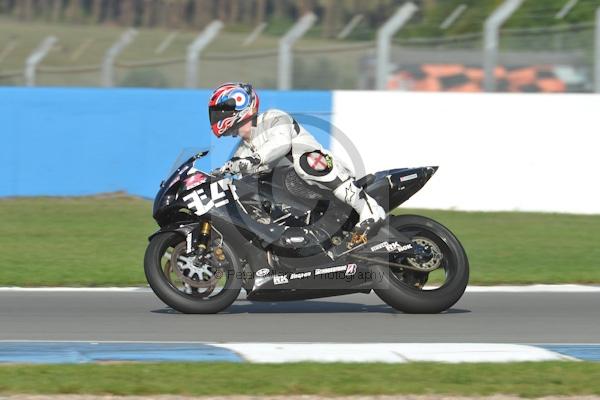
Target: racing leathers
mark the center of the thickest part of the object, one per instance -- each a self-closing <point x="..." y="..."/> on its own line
<point x="274" y="135"/>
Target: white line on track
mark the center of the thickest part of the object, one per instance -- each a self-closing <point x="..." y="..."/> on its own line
<point x="390" y="352"/>
<point x="278" y="352"/>
<point x="567" y="288"/>
<point x="132" y="289"/>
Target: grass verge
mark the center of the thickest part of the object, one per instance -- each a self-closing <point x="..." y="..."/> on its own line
<point x="523" y="379"/>
<point x="100" y="241"/>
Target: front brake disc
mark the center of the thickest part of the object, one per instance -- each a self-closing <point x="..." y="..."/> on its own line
<point x="199" y="277"/>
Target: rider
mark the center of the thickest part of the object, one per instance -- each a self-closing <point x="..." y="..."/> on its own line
<point x="269" y="136"/>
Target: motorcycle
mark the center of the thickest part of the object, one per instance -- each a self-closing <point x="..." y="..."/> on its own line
<point x="279" y="238"/>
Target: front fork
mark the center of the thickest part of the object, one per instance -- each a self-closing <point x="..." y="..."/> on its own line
<point x="201" y="242"/>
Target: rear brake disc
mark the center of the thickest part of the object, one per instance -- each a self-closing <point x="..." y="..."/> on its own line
<point x="431" y="263"/>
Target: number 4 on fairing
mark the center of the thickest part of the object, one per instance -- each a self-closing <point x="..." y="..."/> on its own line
<point x="278" y="238"/>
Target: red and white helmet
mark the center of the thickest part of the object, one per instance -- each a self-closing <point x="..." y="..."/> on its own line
<point x="231" y="105"/>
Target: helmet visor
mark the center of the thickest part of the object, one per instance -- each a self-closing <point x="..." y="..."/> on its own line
<point x="221" y="111"/>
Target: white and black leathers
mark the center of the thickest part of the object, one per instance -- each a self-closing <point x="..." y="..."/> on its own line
<point x="274" y="135"/>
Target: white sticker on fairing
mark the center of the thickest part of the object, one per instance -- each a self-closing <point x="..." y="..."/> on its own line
<point x="262" y="272"/>
<point x="351" y="269"/>
<point x="300" y="275"/>
<point x="280" y="279"/>
<point x="408" y="177"/>
<point x="188" y="242"/>
<point x="321" y="271"/>
<point x="200" y="203"/>
<point x="389" y="247"/>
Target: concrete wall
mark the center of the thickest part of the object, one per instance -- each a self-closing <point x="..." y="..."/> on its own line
<point x="495" y="151"/>
<point x="62" y="142"/>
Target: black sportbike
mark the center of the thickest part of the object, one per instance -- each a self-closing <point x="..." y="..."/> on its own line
<point x="279" y="238"/>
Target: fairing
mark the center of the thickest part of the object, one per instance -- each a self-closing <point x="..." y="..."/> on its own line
<point x="390" y="188"/>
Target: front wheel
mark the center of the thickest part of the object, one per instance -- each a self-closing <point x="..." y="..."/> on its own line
<point x="190" y="284"/>
<point x="427" y="285"/>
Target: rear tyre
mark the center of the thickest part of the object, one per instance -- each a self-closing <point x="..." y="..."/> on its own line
<point x="193" y="302"/>
<point x="405" y="289"/>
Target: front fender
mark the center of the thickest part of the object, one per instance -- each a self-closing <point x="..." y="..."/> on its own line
<point x="182" y="229"/>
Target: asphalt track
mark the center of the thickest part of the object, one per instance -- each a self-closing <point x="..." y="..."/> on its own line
<point x="140" y="316"/>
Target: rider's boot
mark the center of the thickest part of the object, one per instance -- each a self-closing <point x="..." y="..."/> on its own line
<point x="371" y="215"/>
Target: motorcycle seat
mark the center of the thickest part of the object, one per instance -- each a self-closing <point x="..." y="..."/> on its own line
<point x="365" y="181"/>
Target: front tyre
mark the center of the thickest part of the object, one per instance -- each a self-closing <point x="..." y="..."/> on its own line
<point x="406" y="289"/>
<point x="193" y="289"/>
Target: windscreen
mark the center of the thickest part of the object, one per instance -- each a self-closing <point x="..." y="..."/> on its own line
<point x="185" y="155"/>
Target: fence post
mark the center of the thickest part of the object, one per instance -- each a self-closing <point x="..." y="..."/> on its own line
<point x="285" y="67"/>
<point x="36" y="57"/>
<point x="454" y="15"/>
<point x="491" y="33"/>
<point x="384" y="38"/>
<point x="108" y="63"/>
<point x="597" y="53"/>
<point x="566" y="8"/>
<point x="193" y="52"/>
<point x="347" y="30"/>
<point x="256" y="32"/>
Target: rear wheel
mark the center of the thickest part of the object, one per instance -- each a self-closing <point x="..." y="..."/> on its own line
<point x="432" y="281"/>
<point x="192" y="284"/>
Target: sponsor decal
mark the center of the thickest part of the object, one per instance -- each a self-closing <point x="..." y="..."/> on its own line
<point x="195" y="180"/>
<point x="200" y="203"/>
<point x="408" y="177"/>
<point x="351" y="269"/>
<point x="321" y="271"/>
<point x="389" y="247"/>
<point x="301" y="275"/>
<point x="262" y="272"/>
<point x="280" y="279"/>
<point x="317" y="161"/>
<point x="348" y="270"/>
<point x="350" y="192"/>
<point x="188" y="243"/>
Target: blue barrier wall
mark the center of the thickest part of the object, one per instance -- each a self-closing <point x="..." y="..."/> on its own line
<point x="66" y="142"/>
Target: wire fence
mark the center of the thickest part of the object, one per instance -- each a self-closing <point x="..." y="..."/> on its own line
<point x="557" y="59"/>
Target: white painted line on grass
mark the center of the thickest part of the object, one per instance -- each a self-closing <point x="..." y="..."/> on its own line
<point x="390" y="352"/>
<point x="75" y="289"/>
